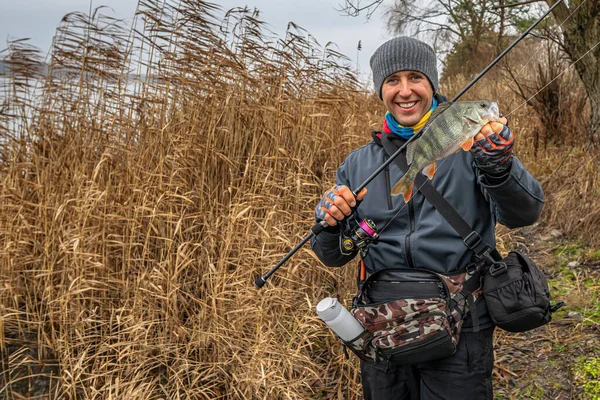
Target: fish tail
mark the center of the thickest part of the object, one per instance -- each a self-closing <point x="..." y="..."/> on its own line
<point x="404" y="186"/>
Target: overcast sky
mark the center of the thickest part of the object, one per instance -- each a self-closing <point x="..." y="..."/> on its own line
<point x="38" y="19"/>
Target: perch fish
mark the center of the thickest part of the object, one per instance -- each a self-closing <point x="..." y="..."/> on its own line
<point x="444" y="135"/>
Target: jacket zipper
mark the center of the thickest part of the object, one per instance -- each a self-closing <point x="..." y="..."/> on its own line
<point x="387" y="186"/>
<point x="411" y="217"/>
<point x="411" y="212"/>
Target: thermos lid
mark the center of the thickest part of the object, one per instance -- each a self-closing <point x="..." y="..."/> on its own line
<point x="329" y="308"/>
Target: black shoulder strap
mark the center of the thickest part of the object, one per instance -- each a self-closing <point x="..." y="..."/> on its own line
<point x="470" y="237"/>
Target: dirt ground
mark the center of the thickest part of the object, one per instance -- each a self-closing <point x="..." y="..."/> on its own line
<point x="559" y="360"/>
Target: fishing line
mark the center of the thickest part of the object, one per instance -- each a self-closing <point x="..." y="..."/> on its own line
<point x="322" y="225"/>
<point x="502" y="94"/>
<point x="521" y="105"/>
<point x="380" y="231"/>
<point x="535" y="53"/>
<point x="558" y="76"/>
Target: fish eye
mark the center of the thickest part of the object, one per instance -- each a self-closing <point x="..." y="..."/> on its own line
<point x="482" y="105"/>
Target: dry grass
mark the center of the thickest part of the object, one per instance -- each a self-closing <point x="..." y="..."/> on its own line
<point x="135" y="215"/>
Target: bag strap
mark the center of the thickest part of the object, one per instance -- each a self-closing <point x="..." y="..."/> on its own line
<point x="470" y="237"/>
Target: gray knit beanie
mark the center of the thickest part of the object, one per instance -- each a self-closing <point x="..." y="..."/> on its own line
<point x="403" y="54"/>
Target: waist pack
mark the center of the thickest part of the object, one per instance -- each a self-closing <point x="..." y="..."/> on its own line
<point x="517" y="294"/>
<point x="411" y="316"/>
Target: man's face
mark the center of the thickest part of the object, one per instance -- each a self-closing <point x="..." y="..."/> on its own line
<point x="407" y="95"/>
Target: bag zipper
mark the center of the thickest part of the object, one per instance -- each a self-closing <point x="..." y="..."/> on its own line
<point x="379" y="303"/>
<point x="439" y="280"/>
<point x="442" y="336"/>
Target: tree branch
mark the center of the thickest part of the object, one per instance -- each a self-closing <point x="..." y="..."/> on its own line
<point x="517" y="4"/>
<point x="353" y="8"/>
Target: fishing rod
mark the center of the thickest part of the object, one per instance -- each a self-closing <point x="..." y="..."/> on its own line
<point x="322" y="225"/>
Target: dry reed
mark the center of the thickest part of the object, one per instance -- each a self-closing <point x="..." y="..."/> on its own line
<point x="150" y="174"/>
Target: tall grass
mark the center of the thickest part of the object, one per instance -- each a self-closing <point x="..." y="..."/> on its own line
<point x="137" y="212"/>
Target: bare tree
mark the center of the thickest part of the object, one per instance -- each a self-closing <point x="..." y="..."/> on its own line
<point x="466" y="34"/>
<point x="580" y="39"/>
<point x="354" y="8"/>
<point x="463" y="25"/>
<point x="444" y="22"/>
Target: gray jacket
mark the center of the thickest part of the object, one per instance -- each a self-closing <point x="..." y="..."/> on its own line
<point x="419" y="237"/>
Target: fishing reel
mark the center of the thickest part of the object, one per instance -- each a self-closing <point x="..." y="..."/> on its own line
<point x="356" y="235"/>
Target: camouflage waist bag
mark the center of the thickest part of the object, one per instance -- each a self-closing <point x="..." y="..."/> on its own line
<point x="412" y="316"/>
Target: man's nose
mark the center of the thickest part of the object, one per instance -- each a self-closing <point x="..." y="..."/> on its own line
<point x="404" y="89"/>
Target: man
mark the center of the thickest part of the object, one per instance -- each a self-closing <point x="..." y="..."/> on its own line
<point x="485" y="185"/>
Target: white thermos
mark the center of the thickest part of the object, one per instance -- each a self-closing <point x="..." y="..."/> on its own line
<point x="339" y="319"/>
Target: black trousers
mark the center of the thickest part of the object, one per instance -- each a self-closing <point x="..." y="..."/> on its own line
<point x="467" y="374"/>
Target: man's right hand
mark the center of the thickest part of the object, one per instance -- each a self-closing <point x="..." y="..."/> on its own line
<point x="336" y="204"/>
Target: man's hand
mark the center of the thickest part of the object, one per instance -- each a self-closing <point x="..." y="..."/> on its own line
<point x="492" y="150"/>
<point x="489" y="128"/>
<point x="336" y="204"/>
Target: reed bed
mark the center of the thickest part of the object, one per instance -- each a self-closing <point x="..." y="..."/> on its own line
<point x="151" y="172"/>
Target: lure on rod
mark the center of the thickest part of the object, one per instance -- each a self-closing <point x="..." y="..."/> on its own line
<point x="320" y="226"/>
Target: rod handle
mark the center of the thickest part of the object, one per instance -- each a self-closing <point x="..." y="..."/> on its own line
<point x="260" y="282"/>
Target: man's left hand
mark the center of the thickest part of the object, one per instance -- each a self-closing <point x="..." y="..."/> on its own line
<point x="491" y="127"/>
<point x="492" y="150"/>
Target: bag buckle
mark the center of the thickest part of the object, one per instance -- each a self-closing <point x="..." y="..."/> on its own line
<point x="497" y="268"/>
<point x="484" y="258"/>
<point x="472" y="268"/>
<point x="472" y="240"/>
<point x="555" y="307"/>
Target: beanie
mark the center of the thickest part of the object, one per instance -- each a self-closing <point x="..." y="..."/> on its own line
<point x="403" y="54"/>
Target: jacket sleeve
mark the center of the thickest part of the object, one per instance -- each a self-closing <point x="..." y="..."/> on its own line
<point x="518" y="200"/>
<point x="326" y="245"/>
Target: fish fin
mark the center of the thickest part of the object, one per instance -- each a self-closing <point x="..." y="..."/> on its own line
<point x="404" y="187"/>
<point x="430" y="170"/>
<point x="466" y="146"/>
<point x="397" y="189"/>
<point x="408" y="193"/>
<point x="410" y="151"/>
<point x="438" y="110"/>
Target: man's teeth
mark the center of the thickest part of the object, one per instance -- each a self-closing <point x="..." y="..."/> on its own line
<point x="407" y="105"/>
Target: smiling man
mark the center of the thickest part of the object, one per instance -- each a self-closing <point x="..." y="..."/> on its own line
<point x="485" y="185"/>
<point x="408" y="96"/>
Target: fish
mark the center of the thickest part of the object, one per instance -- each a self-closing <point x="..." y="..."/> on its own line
<point x="452" y="126"/>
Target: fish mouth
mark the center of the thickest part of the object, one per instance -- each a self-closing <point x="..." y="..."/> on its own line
<point x="494" y="112"/>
